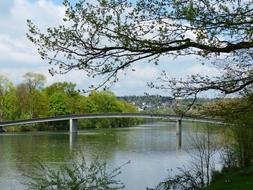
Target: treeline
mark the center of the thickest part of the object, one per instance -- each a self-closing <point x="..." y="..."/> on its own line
<point x="32" y="99"/>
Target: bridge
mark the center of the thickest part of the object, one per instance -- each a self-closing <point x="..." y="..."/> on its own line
<point x="74" y="118"/>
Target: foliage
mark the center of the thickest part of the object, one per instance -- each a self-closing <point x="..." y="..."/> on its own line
<point x="57" y="104"/>
<point x="185" y="180"/>
<point x="106" y="102"/>
<point x="107" y="36"/>
<point x="23" y="102"/>
<point x="33" y="82"/>
<point x="228" y="157"/>
<point x="31" y="99"/>
<point x="7" y="99"/>
<point x="231" y="109"/>
<point x="237" y="113"/>
<point x="62" y="87"/>
<point x="76" y="176"/>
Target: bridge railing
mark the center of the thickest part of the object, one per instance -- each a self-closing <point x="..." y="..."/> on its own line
<point x="109" y="115"/>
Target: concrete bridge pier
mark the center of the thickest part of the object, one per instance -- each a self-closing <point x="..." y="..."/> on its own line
<point x="73" y="125"/>
<point x="72" y="133"/>
<point x="179" y="133"/>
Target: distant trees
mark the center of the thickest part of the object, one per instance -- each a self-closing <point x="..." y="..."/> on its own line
<point x="58" y="104"/>
<point x="8" y="99"/>
<point x="106" y="102"/>
<point x="23" y="102"/>
<point x="62" y="87"/>
<point x="34" y="82"/>
<point x="31" y="99"/>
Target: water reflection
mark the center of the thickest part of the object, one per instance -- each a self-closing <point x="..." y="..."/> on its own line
<point x="152" y="149"/>
<point x="72" y="140"/>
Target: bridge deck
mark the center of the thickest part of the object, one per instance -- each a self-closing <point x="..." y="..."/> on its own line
<point x="109" y="115"/>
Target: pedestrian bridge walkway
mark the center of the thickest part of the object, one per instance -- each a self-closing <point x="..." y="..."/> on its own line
<point x="108" y="115"/>
<point x="74" y="118"/>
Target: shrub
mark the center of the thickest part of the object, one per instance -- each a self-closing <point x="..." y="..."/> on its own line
<point x="75" y="176"/>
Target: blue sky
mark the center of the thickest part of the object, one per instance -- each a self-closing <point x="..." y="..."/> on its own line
<point x="18" y="56"/>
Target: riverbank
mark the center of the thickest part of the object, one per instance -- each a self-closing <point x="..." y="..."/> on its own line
<point x="232" y="179"/>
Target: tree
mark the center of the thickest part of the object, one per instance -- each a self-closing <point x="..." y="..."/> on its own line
<point x="34" y="83"/>
<point x="105" y="37"/>
<point x="105" y="102"/>
<point x="58" y="105"/>
<point x="71" y="96"/>
<point x="7" y="99"/>
<point x="237" y="113"/>
<point x="22" y="104"/>
<point x="62" y="87"/>
<point x="31" y="99"/>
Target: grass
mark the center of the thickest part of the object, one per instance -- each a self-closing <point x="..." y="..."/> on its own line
<point x="232" y="179"/>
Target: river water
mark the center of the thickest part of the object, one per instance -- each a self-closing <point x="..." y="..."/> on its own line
<point x="150" y="148"/>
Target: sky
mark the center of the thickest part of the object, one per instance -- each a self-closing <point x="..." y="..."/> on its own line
<point x="18" y="56"/>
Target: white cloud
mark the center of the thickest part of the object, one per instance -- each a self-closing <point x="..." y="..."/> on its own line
<point x="18" y="56"/>
<point x="135" y="82"/>
<point x="17" y="49"/>
<point x="42" y="12"/>
<point x="203" y="70"/>
<point x="14" y="46"/>
<point x="144" y="72"/>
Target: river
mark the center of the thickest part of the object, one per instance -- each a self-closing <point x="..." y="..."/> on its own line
<point x="150" y="148"/>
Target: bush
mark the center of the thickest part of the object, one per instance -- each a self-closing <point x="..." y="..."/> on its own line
<point x="75" y="176"/>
